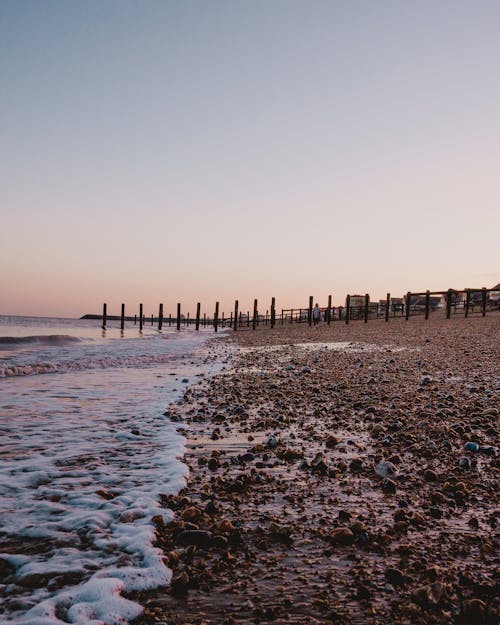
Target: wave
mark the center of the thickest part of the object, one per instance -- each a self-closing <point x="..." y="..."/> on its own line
<point x="42" y="339"/>
<point x="11" y="370"/>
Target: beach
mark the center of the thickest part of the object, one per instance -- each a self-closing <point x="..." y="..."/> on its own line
<point x="340" y="474"/>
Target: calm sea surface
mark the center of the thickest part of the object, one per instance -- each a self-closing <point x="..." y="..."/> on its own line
<point x="85" y="452"/>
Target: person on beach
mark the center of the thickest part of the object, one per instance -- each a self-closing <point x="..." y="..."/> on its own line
<point x="316" y="314"/>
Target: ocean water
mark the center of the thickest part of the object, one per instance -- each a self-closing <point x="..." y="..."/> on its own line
<point x="86" y="452"/>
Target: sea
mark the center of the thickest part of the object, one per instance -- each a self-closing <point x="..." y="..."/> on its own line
<point x="87" y="451"/>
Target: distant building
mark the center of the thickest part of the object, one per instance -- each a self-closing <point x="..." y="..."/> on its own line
<point x="495" y="293"/>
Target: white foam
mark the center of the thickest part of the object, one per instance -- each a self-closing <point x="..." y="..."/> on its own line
<point x="85" y="458"/>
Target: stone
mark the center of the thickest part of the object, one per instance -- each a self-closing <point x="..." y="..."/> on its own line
<point x="198" y="538"/>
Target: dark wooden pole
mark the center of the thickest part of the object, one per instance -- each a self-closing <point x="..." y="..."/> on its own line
<point x="329" y="310"/>
<point x="273" y="312"/>
<point x="427" y="303"/>
<point x="254" y="320"/>
<point x="216" y="316"/>
<point x="152" y="320"/>
<point x="141" y="317"/>
<point x="448" y="304"/>
<point x="408" y="302"/>
<point x="387" y="306"/>
<point x="122" y="319"/>
<point x="104" y="315"/>
<point x="310" y="311"/>
<point x="198" y="309"/>
<point x="367" y="304"/>
<point x="135" y="320"/>
<point x="160" y="317"/>
<point x="235" y="315"/>
<point x="347" y="308"/>
<point x="483" y="300"/>
<point x="178" y="316"/>
<point x="467" y="302"/>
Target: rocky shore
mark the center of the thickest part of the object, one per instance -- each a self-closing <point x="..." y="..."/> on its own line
<point x="340" y="475"/>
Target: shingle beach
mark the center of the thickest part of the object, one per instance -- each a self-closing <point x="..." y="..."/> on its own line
<point x="340" y="474"/>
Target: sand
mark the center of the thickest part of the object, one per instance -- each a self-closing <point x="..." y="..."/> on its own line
<point x="340" y="474"/>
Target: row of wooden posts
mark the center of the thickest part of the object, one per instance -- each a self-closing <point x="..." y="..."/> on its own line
<point x="345" y="314"/>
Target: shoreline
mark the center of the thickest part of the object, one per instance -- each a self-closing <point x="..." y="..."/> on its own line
<point x="339" y="485"/>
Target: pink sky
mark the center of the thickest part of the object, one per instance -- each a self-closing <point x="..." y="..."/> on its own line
<point x="190" y="152"/>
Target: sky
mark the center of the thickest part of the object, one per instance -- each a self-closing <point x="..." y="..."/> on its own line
<point x="212" y="150"/>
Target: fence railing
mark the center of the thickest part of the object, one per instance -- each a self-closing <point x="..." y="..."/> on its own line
<point x="357" y="307"/>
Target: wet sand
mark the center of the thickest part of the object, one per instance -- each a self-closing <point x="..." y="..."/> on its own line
<point x="350" y="480"/>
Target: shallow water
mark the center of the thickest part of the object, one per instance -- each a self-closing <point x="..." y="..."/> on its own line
<point x="85" y="455"/>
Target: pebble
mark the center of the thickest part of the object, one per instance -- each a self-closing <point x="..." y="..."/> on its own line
<point x="386" y="469"/>
<point x="198" y="538"/>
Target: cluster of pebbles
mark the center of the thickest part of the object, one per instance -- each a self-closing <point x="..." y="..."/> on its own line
<point x="346" y="474"/>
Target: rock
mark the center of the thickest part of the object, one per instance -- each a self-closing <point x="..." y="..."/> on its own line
<point x="487" y="450"/>
<point x="473" y="612"/>
<point x="465" y="464"/>
<point x="332" y="441"/>
<point x="180" y="583"/>
<point x="198" y="538"/>
<point x="386" y="469"/>
<point x="435" y="512"/>
<point x="471" y="446"/>
<point x="430" y="475"/>
<point x="272" y="442"/>
<point x="341" y="536"/>
<point x="319" y="463"/>
<point x="213" y="464"/>
<point x="429" y="595"/>
<point x="388" y="486"/>
<point x="190" y="514"/>
<point x="225" y="526"/>
<point x="356" y="464"/>
<point x="395" y="577"/>
<point x="248" y="457"/>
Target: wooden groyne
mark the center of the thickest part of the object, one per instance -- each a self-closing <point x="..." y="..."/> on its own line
<point x="448" y="302"/>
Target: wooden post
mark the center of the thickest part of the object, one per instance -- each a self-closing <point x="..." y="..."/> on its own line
<point x="178" y="316"/>
<point x="141" y="317"/>
<point x="254" y="320"/>
<point x="387" y="306"/>
<point x="273" y="312"/>
<point x="291" y="315"/>
<point x="122" y="319"/>
<point x="135" y="320"/>
<point x="448" y="304"/>
<point x="235" y="315"/>
<point x="367" y="304"/>
<point x="329" y="310"/>
<point x="152" y="320"/>
<point x="170" y="320"/>
<point x="204" y="320"/>
<point x="347" y="308"/>
<point x="483" y="300"/>
<point x="104" y="315"/>
<point x="198" y="308"/>
<point x="160" y="317"/>
<point x="216" y="316"/>
<point x="467" y="302"/>
<point x="408" y="302"/>
<point x="427" y="303"/>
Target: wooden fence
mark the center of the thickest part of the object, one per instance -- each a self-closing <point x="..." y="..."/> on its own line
<point x="357" y="307"/>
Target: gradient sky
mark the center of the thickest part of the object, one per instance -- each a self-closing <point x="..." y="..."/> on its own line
<point x="164" y="151"/>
